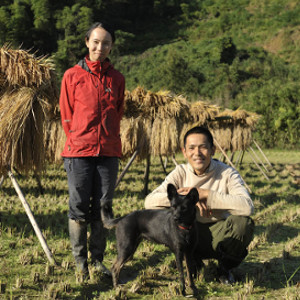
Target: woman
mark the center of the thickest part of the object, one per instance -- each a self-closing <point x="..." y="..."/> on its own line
<point x="91" y="104"/>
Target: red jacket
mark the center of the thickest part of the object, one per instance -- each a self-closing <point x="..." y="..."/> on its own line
<point x="91" y="105"/>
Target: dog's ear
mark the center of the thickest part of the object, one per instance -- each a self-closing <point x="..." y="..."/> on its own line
<point x="194" y="195"/>
<point x="172" y="193"/>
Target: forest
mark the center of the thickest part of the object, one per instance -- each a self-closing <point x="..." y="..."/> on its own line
<point x="234" y="53"/>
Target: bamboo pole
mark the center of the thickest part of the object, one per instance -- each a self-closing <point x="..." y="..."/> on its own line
<point x="263" y="154"/>
<point x="230" y="162"/>
<point x="126" y="167"/>
<point x="232" y="156"/>
<point x="174" y="160"/>
<point x="1" y="180"/>
<point x="31" y="218"/>
<point x="239" y="157"/>
<point x="258" y="158"/>
<point x="258" y="165"/>
<point x="242" y="158"/>
<point x="166" y="162"/>
<point x="146" y="174"/>
<point x="221" y="156"/>
<point x="162" y="164"/>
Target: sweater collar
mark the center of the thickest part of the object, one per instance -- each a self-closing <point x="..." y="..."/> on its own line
<point x="210" y="168"/>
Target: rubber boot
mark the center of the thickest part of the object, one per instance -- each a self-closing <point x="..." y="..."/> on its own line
<point x="78" y="238"/>
<point x="98" y="245"/>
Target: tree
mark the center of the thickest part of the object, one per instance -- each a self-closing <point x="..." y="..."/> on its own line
<point x="72" y="24"/>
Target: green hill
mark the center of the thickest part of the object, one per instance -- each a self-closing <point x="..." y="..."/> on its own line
<point x="233" y="53"/>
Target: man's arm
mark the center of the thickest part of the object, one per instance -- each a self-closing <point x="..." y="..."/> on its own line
<point x="236" y="202"/>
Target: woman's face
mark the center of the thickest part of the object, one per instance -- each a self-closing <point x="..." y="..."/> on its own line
<point x="99" y="44"/>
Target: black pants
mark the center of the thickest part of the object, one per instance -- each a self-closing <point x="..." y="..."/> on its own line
<point x="91" y="180"/>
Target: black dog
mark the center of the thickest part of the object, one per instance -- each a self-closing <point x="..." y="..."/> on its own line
<point x="174" y="227"/>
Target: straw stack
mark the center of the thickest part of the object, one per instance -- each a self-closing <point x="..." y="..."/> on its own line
<point x="201" y="113"/>
<point x="170" y="113"/>
<point x="152" y="122"/>
<point x="135" y="135"/>
<point x="55" y="139"/>
<point x="28" y="97"/>
<point x="222" y="129"/>
<point x="233" y="129"/>
<point x="244" y="123"/>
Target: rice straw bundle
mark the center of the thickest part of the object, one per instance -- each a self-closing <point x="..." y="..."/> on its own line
<point x="173" y="106"/>
<point x="243" y="124"/>
<point x="135" y="133"/>
<point x="202" y="112"/>
<point x="20" y="68"/>
<point x="237" y="141"/>
<point x="235" y="132"/>
<point x="21" y="129"/>
<point x="163" y="104"/>
<point x="165" y="137"/>
<point x="54" y="140"/>
<point x="222" y="129"/>
<point x="28" y="99"/>
<point x="131" y="105"/>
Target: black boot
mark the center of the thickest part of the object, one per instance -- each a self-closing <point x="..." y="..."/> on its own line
<point x="78" y="238"/>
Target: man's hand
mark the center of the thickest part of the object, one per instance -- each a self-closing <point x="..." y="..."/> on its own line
<point x="201" y="204"/>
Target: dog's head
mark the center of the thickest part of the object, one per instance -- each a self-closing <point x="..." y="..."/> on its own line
<point x="183" y="206"/>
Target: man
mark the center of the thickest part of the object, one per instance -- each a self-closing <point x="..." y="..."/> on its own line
<point x="224" y="226"/>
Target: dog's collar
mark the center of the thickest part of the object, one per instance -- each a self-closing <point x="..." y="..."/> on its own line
<point x="185" y="228"/>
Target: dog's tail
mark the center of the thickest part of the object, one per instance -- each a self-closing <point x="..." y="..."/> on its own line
<point x="107" y="216"/>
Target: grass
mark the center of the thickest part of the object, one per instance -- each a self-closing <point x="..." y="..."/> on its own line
<point x="270" y="271"/>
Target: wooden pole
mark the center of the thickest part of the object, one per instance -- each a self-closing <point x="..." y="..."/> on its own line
<point x="126" y="167"/>
<point x="259" y="160"/>
<point x="230" y="162"/>
<point x="166" y="162"/>
<point x="162" y="164"/>
<point x="174" y="160"/>
<point x="232" y="156"/>
<point x="258" y="166"/>
<point x="221" y="156"/>
<point x="31" y="218"/>
<point x="241" y="160"/>
<point x="146" y="174"/>
<point x="265" y="157"/>
<point x="239" y="157"/>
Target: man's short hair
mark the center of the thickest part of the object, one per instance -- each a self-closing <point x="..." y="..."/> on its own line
<point x="199" y="130"/>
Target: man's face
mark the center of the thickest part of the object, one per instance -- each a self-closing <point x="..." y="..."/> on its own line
<point x="198" y="152"/>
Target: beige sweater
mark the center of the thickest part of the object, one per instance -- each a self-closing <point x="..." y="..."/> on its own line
<point x="227" y="196"/>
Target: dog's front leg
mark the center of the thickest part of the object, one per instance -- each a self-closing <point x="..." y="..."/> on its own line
<point x="179" y="259"/>
<point x="189" y="266"/>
